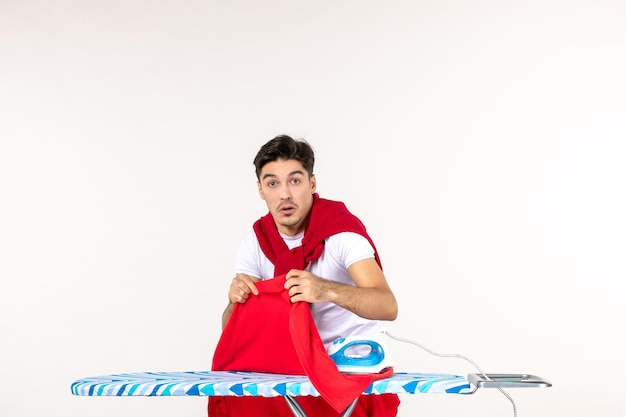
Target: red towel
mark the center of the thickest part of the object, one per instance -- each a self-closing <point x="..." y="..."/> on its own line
<point x="327" y="218"/>
<point x="270" y="334"/>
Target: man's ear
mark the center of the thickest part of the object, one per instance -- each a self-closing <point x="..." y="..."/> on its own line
<point x="258" y="184"/>
<point x="313" y="183"/>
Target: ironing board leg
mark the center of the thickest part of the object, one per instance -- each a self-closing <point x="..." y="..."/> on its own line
<point x="297" y="410"/>
<point x="295" y="406"/>
<point x="350" y="408"/>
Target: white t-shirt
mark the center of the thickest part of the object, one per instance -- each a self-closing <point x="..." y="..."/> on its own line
<point x="340" y="251"/>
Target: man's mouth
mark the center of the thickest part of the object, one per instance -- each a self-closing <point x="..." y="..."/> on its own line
<point x="287" y="209"/>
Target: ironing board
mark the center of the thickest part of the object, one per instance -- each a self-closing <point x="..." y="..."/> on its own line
<point x="238" y="384"/>
<point x="231" y="383"/>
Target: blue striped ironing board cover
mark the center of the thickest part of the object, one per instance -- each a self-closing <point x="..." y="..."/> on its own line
<point x="226" y="383"/>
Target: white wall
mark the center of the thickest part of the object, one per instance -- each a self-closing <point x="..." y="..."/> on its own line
<point x="482" y="143"/>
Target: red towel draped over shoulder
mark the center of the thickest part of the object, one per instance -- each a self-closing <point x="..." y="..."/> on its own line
<point x="327" y="218"/>
<point x="268" y="333"/>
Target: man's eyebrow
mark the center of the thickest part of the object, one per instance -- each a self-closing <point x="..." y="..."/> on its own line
<point x="291" y="174"/>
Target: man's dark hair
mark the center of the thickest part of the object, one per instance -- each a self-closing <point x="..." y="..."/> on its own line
<point x="285" y="147"/>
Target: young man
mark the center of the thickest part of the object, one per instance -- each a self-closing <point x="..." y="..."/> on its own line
<point x="346" y="286"/>
<point x="327" y="256"/>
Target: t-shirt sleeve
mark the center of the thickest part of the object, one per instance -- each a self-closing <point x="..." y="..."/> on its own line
<point x="247" y="260"/>
<point x="351" y="247"/>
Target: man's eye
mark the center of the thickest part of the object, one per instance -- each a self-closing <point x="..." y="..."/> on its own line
<point x="295" y="181"/>
<point x="271" y="184"/>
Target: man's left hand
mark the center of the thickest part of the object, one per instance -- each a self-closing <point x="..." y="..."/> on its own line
<point x="304" y="286"/>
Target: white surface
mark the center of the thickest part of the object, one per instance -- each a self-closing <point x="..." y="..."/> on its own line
<point x="482" y="143"/>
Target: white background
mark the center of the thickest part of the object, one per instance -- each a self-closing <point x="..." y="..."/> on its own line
<point x="482" y="143"/>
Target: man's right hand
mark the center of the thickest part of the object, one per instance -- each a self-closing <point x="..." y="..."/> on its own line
<point x="241" y="287"/>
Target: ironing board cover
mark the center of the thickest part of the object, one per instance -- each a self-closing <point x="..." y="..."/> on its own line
<point x="226" y="383"/>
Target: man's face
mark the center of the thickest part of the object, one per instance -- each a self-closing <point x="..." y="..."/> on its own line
<point x="288" y="192"/>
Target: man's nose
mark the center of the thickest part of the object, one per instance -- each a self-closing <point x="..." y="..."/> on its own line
<point x="285" y="192"/>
